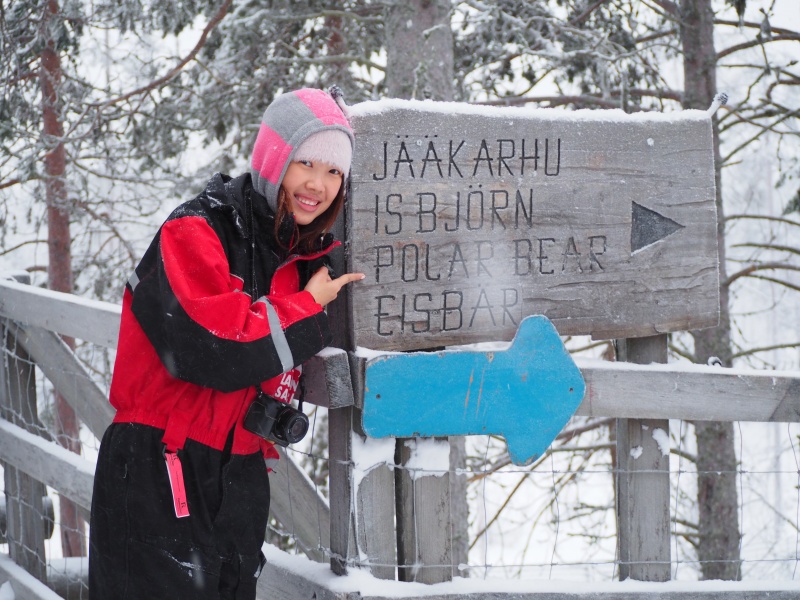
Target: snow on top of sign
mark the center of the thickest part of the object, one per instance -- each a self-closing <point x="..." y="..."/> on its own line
<point x="369" y="353"/>
<point x="376" y="107"/>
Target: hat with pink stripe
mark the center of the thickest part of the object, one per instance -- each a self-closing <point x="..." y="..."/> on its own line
<point x="306" y="124"/>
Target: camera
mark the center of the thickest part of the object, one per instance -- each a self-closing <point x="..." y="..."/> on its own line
<point x="275" y="421"/>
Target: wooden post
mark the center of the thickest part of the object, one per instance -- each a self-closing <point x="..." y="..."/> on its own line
<point x="374" y="491"/>
<point x="341" y="500"/>
<point x="643" y="517"/>
<point x="423" y="518"/>
<point x="25" y="512"/>
<point x="367" y="534"/>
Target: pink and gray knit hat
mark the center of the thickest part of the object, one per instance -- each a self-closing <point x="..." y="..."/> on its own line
<point x="306" y="124"/>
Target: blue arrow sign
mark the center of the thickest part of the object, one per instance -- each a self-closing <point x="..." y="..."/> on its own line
<point x="526" y="393"/>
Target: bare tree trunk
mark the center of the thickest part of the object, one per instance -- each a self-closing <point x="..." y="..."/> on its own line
<point x="717" y="497"/>
<point x="419" y="46"/>
<point x="337" y="45"/>
<point x="59" y="252"/>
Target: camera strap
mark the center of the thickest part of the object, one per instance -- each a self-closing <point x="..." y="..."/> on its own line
<point x="302" y="393"/>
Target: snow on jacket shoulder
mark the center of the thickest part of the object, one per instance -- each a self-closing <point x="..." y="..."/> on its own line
<point x="204" y="320"/>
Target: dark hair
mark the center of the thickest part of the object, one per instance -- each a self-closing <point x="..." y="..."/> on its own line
<point x="306" y="238"/>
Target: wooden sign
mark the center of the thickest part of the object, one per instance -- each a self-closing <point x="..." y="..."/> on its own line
<point x="526" y="393"/>
<point x="468" y="219"/>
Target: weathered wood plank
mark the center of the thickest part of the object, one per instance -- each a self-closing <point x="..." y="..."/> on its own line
<point x="278" y="582"/>
<point x="360" y="466"/>
<point x="424" y="553"/>
<point x="299" y="507"/>
<point x="51" y="464"/>
<point x="68" y="375"/>
<point x="468" y="221"/>
<point x="327" y="379"/>
<point x="374" y="483"/>
<point x="642" y="479"/>
<point x="340" y="461"/>
<point x="81" y="318"/>
<point x="25" y="585"/>
<point x="375" y="515"/>
<point x="697" y="393"/>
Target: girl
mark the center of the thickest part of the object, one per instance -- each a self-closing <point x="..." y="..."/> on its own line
<point x="225" y="305"/>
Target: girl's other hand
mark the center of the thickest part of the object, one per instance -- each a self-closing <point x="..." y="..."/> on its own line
<point x="324" y="289"/>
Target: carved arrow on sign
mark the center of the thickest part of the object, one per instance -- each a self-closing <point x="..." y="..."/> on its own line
<point x="649" y="227"/>
<point x="526" y="393"/>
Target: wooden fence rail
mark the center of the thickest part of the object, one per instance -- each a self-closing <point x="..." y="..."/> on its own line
<point x="621" y="390"/>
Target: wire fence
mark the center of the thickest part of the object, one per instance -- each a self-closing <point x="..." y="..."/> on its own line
<point x="554" y="519"/>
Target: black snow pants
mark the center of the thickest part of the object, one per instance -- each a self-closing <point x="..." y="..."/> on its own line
<point x="139" y="549"/>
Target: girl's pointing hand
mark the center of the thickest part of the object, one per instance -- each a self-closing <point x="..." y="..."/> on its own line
<point x="324" y="289"/>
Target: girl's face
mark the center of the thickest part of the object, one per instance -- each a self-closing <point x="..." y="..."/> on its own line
<point x="311" y="188"/>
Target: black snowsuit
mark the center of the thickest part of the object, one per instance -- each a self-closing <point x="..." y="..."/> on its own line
<point x="184" y="377"/>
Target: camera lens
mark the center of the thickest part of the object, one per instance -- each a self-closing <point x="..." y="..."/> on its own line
<point x="298" y="429"/>
<point x="293" y="425"/>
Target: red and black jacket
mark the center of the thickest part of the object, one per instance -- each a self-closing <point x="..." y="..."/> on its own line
<point x="215" y="308"/>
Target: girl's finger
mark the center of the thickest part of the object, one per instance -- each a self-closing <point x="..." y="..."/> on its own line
<point x="349" y="278"/>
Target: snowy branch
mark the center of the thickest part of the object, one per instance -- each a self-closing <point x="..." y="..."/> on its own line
<point x="754" y="25"/>
<point x="349" y="14"/>
<point x="752" y="351"/>
<point x="765" y="218"/>
<point x="761" y="267"/>
<point x="20" y="245"/>
<point x="786" y="284"/>
<point x="757" y="42"/>
<point x="776" y="247"/>
<point x="753" y="138"/>
<point x="577" y="20"/>
<point x="668" y="6"/>
<point x="326" y="60"/>
<point x="9" y="183"/>
<point x="177" y="68"/>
